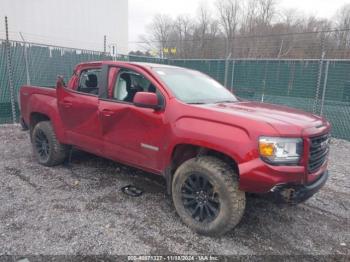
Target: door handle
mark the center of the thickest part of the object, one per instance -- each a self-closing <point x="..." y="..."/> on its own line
<point x="66" y="104"/>
<point x="107" y="112"/>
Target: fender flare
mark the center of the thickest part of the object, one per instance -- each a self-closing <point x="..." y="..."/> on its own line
<point x="49" y="109"/>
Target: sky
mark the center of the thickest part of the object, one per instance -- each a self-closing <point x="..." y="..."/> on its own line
<point x="141" y="12"/>
<point x="50" y="22"/>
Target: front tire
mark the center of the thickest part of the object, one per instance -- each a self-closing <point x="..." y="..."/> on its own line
<point x="207" y="197"/>
<point x="47" y="150"/>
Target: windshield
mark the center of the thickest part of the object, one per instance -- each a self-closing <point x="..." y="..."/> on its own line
<point x="194" y="87"/>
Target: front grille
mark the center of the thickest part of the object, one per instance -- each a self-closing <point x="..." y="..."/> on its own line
<point x="319" y="149"/>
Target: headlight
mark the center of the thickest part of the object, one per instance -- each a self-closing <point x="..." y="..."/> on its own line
<point x="281" y="151"/>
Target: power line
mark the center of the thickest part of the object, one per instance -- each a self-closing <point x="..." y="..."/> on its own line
<point x="248" y="36"/>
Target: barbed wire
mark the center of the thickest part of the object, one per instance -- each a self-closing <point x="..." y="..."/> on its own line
<point x="44" y="39"/>
<point x="218" y="37"/>
<point x="247" y="36"/>
<point x="302" y="45"/>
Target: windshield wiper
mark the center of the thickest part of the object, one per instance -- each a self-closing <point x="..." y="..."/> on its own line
<point x="197" y="103"/>
<point x="225" y="101"/>
<point x="217" y="102"/>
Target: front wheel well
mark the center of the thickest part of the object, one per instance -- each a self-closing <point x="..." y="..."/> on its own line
<point x="184" y="152"/>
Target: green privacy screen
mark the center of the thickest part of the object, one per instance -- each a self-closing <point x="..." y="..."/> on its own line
<point x="44" y="64"/>
<point x="320" y="87"/>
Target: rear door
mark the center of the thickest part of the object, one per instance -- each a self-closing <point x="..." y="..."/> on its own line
<point x="78" y="106"/>
<point x="131" y="134"/>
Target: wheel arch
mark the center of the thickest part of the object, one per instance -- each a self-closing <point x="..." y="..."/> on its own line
<point x="38" y="116"/>
<point x="44" y="108"/>
<point x="35" y="118"/>
<point x="183" y="152"/>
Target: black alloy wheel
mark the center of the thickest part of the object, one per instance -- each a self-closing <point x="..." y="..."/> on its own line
<point x="47" y="149"/>
<point x="200" y="199"/>
<point x="42" y="145"/>
<point x="206" y="195"/>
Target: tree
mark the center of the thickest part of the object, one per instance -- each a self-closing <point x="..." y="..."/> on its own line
<point x="229" y="19"/>
<point x="160" y="29"/>
<point x="183" y="30"/>
<point x="202" y="30"/>
<point x="266" y="11"/>
<point x="343" y="22"/>
<point x="250" y="29"/>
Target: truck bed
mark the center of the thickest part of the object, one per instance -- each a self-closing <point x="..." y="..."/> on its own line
<point x="27" y="93"/>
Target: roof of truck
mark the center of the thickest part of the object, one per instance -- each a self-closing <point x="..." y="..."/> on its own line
<point x="153" y="65"/>
<point x="143" y="64"/>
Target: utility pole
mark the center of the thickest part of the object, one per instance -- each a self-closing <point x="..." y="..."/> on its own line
<point x="9" y="72"/>
<point x="114" y="51"/>
<point x="104" y="44"/>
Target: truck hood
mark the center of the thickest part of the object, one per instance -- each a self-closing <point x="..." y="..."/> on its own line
<point x="284" y="120"/>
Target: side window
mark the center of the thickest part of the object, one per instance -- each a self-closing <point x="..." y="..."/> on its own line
<point x="88" y="81"/>
<point x="128" y="83"/>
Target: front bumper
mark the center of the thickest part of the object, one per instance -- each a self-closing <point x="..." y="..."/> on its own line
<point x="258" y="177"/>
<point x="295" y="194"/>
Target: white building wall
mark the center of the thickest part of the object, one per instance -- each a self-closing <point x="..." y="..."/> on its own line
<point x="70" y="23"/>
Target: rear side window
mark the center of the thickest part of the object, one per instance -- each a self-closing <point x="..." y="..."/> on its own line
<point x="89" y="81"/>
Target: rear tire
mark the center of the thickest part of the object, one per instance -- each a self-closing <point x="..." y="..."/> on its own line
<point x="207" y="197"/>
<point x="47" y="150"/>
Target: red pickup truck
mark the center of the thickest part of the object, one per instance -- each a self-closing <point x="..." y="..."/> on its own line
<point x="210" y="146"/>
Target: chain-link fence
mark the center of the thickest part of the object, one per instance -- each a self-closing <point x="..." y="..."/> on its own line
<point x="35" y="64"/>
<point x="320" y="86"/>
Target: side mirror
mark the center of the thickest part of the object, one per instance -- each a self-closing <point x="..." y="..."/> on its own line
<point x="146" y="100"/>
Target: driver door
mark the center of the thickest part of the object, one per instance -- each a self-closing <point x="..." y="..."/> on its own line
<point x="131" y="134"/>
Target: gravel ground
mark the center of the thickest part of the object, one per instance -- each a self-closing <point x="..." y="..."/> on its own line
<point x="80" y="209"/>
